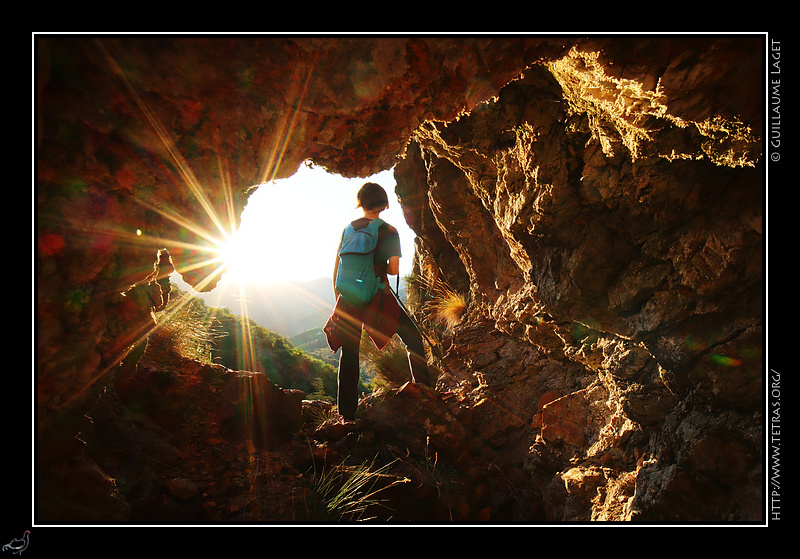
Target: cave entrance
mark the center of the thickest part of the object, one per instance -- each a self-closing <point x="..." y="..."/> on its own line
<point x="290" y="228"/>
<point x="281" y="258"/>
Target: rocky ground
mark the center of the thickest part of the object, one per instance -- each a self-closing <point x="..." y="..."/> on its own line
<point x="170" y="448"/>
<point x="512" y="435"/>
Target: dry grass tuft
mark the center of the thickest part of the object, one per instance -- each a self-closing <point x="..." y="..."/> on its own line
<point x="183" y="331"/>
<point x="444" y="305"/>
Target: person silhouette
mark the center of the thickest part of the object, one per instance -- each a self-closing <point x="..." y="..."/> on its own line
<point x="381" y="318"/>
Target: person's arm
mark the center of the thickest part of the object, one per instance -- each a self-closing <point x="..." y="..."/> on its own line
<point x="336" y="270"/>
<point x="393" y="266"/>
<point x="389" y="248"/>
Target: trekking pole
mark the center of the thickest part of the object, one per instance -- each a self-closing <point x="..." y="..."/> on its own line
<point x="435" y="350"/>
<point x="408" y="313"/>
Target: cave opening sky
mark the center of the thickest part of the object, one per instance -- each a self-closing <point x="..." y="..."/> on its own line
<point x="290" y="228"/>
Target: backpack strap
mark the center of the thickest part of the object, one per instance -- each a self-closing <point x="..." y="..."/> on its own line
<point x="377" y="221"/>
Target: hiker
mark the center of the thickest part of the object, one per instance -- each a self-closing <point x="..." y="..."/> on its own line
<point x="367" y="300"/>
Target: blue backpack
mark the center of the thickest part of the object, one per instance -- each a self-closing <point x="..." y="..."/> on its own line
<point x="355" y="278"/>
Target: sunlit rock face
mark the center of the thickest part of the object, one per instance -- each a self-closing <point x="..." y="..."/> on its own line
<point x="599" y="202"/>
<point x="607" y="208"/>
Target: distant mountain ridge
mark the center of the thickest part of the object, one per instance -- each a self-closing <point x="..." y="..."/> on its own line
<point x="286" y="308"/>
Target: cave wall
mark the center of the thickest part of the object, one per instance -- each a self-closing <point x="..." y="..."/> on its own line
<point x="607" y="208"/>
<point x="647" y="225"/>
<point x="599" y="200"/>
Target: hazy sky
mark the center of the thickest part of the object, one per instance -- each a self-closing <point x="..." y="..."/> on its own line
<point x="290" y="228"/>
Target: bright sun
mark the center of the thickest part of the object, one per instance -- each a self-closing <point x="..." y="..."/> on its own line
<point x="290" y="228"/>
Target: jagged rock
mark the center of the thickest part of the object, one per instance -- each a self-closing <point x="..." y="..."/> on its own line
<point x="237" y="405"/>
<point x="194" y="443"/>
<point x="564" y="419"/>
<point x="637" y="236"/>
<point x="419" y="418"/>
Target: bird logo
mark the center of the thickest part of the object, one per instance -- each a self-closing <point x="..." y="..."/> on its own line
<point x="18" y="545"/>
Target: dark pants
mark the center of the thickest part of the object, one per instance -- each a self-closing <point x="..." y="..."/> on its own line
<point x="349" y="370"/>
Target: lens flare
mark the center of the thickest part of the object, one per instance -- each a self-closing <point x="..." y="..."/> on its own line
<point x="725" y="361"/>
<point x="205" y="248"/>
